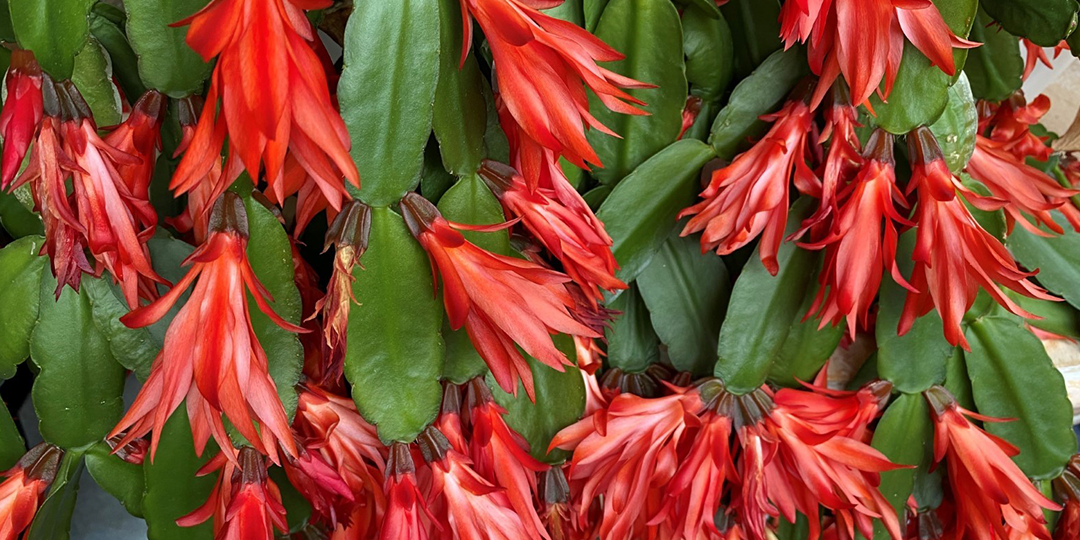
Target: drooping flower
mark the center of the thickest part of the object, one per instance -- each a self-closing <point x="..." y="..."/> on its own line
<point x="559" y="511"/>
<point x="499" y="300"/>
<point x="1008" y="125"/>
<point x="320" y="485"/>
<point x="861" y="242"/>
<point x="954" y="256"/>
<point x="22" y="113"/>
<point x="140" y="137"/>
<point x="690" y="113"/>
<point x="1036" y="54"/>
<point x="1067" y="490"/>
<point x="23" y="489"/>
<point x="274" y="96"/>
<point x="407" y="516"/>
<point x="584" y="252"/>
<point x="863" y="40"/>
<point x="245" y="503"/>
<point x="474" y="508"/>
<point x="211" y="355"/>
<point x="749" y="197"/>
<point x="994" y="498"/>
<point x="844" y="158"/>
<point x="202" y="191"/>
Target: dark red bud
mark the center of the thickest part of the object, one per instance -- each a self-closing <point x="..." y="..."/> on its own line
<point x="252" y="466"/>
<point x="880" y="147"/>
<point x="923" y="146"/>
<point x="940" y="400"/>
<point x="42" y="462"/>
<point x="419" y="213"/>
<point x="553" y="487"/>
<point x="499" y="177"/>
<point x="400" y="461"/>
<point x="229" y="215"/>
<point x="433" y="444"/>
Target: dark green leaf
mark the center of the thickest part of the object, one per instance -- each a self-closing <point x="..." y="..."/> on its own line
<point x="297" y="508"/>
<point x="21" y="270"/>
<point x="593" y="10"/>
<point x="93" y="77"/>
<point x="78" y="394"/>
<point x="709" y="52"/>
<point x="995" y="68"/>
<point x="755" y="29"/>
<point x="1057" y="258"/>
<point x="905" y="435"/>
<point x="434" y="180"/>
<point x="761" y="93"/>
<point x="16" y="219"/>
<point x="806" y="348"/>
<point x="955" y="130"/>
<point x="460" y="109"/>
<point x="640" y="212"/>
<point x="53" y="520"/>
<point x="118" y="478"/>
<point x="12" y="446"/>
<point x="172" y="489"/>
<point x="632" y="344"/>
<point x="135" y="349"/>
<point x="957" y="381"/>
<point x="686" y="293"/>
<point x="1012" y="377"/>
<point x="570" y="11"/>
<point x="649" y="33"/>
<point x="800" y="530"/>
<point x="395" y="352"/>
<point x="1045" y="22"/>
<point x="386" y="92"/>
<point x="54" y="29"/>
<point x="165" y="60"/>
<point x="1059" y="318"/>
<point x="7" y="33"/>
<point x="125" y="64"/>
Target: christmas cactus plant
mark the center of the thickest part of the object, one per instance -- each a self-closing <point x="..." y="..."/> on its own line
<point x="537" y="269"/>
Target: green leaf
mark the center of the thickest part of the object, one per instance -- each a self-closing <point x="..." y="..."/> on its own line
<point x="560" y="401"/>
<point x="122" y="480"/>
<point x="761" y="93"/>
<point x="125" y="64"/>
<point x="632" y="344"/>
<point x="386" y="92"/>
<point x="395" y="352"/>
<point x="16" y="219"/>
<point x="12" y="446"/>
<point x="806" y="348"/>
<point x="755" y="29"/>
<point x="135" y="349"/>
<point x="1012" y="377"/>
<point x="460" y="109"/>
<point x="21" y="270"/>
<point x="172" y="489"/>
<point x="995" y="68"/>
<point x="686" y="293"/>
<point x="593" y="10"/>
<point x="640" y="212"/>
<point x="54" y="29"/>
<point x="904" y="434"/>
<point x="53" y="520"/>
<point x="434" y="180"/>
<point x="709" y="52"/>
<point x="297" y="508"/>
<point x="78" y="394"/>
<point x="957" y="381"/>
<point x="1044" y="22"/>
<point x="1057" y="258"/>
<point x="955" y="130"/>
<point x="649" y="33"/>
<point x="570" y="11"/>
<point x="93" y="77"/>
<point x="1056" y="317"/>
<point x="166" y="63"/>
<point x="760" y="312"/>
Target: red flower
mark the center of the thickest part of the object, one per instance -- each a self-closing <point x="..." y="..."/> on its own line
<point x="559" y="511"/>
<point x="1036" y="53"/>
<point x="750" y="196"/>
<point x="534" y="51"/>
<point x="992" y="492"/>
<point x="864" y="40"/>
<point x="23" y="489"/>
<point x="140" y="137"/>
<point x="1067" y="489"/>
<point x="274" y="97"/>
<point x="695" y="492"/>
<point x="954" y="256"/>
<point x="202" y="191"/>
<point x="583" y="249"/>
<point x="856" y="249"/>
<point x="22" y="113"/>
<point x="844" y="159"/>
<point x="407" y="516"/>
<point x="320" y="485"/>
<point x="486" y="293"/>
<point x="245" y="503"/>
<point x="211" y="355"/>
<point x="1009" y="125"/>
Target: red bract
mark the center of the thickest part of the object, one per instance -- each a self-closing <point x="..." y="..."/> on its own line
<point x="861" y="242"/>
<point x="863" y="40"/>
<point x="749" y="197"/>
<point x="274" y="97"/>
<point x="211" y="355"/>
<point x="499" y="300"/>
<point x="844" y="158"/>
<point x="407" y="516"/>
<point x="22" y="113"/>
<point x="571" y="236"/>
<point x="954" y="256"/>
<point x="695" y="492"/>
<point x="140" y="137"/>
<point x="23" y="489"/>
<point x="994" y="498"/>
<point x="544" y="65"/>
<point x="245" y="503"/>
<point x="320" y="485"/>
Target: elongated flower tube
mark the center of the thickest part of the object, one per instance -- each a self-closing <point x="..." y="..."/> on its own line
<point x="749" y="197"/>
<point x="861" y="242"/>
<point x="407" y="516"/>
<point x="863" y="40"/>
<point x="844" y="159"/>
<point x="954" y="256"/>
<point x="499" y="300"/>
<point x="211" y="355"/>
<point x="994" y="498"/>
<point x="245" y="503"/>
<point x="543" y="66"/>
<point x="23" y="489"/>
<point x="140" y="137"/>
<point x="22" y="113"/>
<point x="274" y="97"/>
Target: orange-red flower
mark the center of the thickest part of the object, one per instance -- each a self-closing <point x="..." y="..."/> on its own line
<point x="993" y="497"/>
<point x="23" y="489"/>
<point x="749" y="197"/>
<point x="559" y="509"/>
<point x="245" y="503"/>
<point x="1008" y="125"/>
<point x="320" y="485"/>
<point x="499" y="300"/>
<point x="22" y="113"/>
<point x="861" y="242"/>
<point x="864" y="40"/>
<point x="1067" y="490"/>
<point x="571" y="236"/>
<point x="1036" y="54"/>
<point x="211" y="355"/>
<point x="274" y="96"/>
<point x="844" y="158"/>
<point x="140" y="137"/>
<point x="954" y="256"/>
<point x="407" y="516"/>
